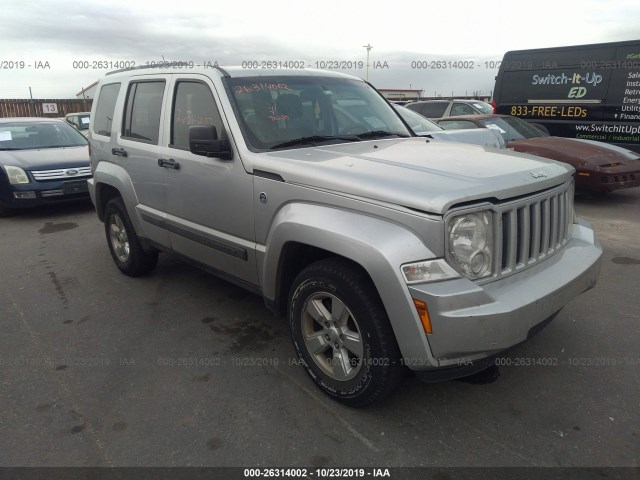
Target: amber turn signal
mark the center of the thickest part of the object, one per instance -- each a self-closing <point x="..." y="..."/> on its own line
<point x="423" y="313"/>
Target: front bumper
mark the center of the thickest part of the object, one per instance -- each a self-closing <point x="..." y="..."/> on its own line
<point x="607" y="181"/>
<point x="43" y="193"/>
<point x="471" y="322"/>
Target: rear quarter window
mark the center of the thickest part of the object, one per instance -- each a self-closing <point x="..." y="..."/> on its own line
<point x="105" y="108"/>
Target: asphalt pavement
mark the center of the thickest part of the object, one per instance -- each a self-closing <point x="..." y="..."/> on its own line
<point x="180" y="368"/>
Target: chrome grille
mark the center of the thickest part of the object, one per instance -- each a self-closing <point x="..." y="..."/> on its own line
<point x="532" y="229"/>
<point x="61" y="173"/>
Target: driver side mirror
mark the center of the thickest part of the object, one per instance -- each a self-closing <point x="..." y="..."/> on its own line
<point x="204" y="141"/>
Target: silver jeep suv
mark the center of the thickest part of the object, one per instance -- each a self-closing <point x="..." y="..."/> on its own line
<point x="384" y="251"/>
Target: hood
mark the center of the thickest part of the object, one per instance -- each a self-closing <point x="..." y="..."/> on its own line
<point x="574" y="151"/>
<point x="486" y="137"/>
<point x="414" y="172"/>
<point x="46" y="158"/>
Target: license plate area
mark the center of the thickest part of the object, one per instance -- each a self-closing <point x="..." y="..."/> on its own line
<point x="77" y="186"/>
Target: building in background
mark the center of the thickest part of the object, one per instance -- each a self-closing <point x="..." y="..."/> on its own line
<point x="401" y="94"/>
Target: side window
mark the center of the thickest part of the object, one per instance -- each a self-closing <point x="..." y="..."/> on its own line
<point x="193" y="105"/>
<point x="142" y="111"/>
<point x="105" y="108"/>
<point x="462" y="109"/>
<point x="433" y="110"/>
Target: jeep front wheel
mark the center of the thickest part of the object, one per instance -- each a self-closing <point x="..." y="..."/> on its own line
<point x="342" y="334"/>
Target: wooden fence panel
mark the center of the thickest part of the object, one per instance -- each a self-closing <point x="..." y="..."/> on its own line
<point x="14" y="107"/>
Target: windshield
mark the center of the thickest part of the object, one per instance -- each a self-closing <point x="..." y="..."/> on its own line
<point x="512" y="128"/>
<point x="417" y="122"/>
<point x="298" y="111"/>
<point x="35" y="135"/>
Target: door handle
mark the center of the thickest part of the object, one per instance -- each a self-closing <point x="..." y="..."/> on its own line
<point x="171" y="163"/>
<point x="121" y="152"/>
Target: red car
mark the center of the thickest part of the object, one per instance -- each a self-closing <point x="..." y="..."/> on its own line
<point x="599" y="166"/>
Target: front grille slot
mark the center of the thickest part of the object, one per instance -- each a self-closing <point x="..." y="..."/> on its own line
<point x="52" y="193"/>
<point x="523" y="236"/>
<point x="536" y="221"/>
<point x="61" y="174"/>
<point x="618" y="178"/>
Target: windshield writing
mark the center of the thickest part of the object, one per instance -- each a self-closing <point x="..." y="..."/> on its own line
<point x="277" y="112"/>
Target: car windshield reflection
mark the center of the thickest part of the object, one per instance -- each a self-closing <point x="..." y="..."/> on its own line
<point x="38" y="135"/>
<point x="512" y="128"/>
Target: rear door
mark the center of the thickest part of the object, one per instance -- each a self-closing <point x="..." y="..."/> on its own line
<point x="139" y="149"/>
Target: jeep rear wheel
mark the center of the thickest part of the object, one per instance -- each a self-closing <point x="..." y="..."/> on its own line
<point x="124" y="245"/>
<point x="342" y="334"/>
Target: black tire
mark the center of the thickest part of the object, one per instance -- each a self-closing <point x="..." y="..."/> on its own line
<point x="5" y="211"/>
<point x="124" y="245"/>
<point x="356" y="359"/>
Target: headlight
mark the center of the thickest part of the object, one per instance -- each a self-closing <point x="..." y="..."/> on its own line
<point x="16" y="175"/>
<point x="428" y="271"/>
<point x="471" y="244"/>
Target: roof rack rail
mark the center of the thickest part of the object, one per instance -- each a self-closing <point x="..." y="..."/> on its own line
<point x="164" y="64"/>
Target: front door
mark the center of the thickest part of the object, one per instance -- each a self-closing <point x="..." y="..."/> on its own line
<point x="209" y="200"/>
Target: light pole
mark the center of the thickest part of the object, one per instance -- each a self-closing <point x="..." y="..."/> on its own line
<point x="368" y="47"/>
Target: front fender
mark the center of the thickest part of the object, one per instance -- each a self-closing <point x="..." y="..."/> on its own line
<point x="379" y="246"/>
